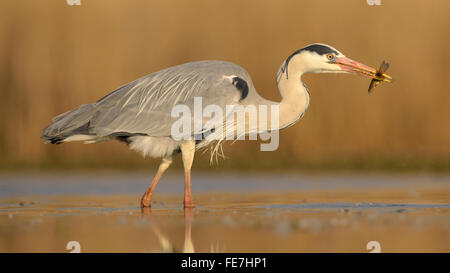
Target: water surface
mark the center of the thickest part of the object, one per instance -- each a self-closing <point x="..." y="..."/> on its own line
<point x="234" y="213"/>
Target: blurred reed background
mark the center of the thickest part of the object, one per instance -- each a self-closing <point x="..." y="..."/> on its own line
<point x="54" y="57"/>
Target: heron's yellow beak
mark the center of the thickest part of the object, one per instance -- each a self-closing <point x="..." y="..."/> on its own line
<point x="352" y="66"/>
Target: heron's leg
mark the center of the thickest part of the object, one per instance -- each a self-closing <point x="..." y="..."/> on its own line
<point x="188" y="151"/>
<point x="147" y="197"/>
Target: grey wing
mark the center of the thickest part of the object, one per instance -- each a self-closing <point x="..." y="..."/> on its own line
<point x="145" y="105"/>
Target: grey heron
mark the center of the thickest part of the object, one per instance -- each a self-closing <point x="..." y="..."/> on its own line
<point x="139" y="113"/>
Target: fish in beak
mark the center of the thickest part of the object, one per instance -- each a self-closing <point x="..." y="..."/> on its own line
<point x="377" y="76"/>
<point x="381" y="76"/>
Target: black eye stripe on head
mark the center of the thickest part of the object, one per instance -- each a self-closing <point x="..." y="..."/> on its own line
<point x="319" y="49"/>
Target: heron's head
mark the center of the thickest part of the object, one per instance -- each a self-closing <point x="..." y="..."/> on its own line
<point x="321" y="58"/>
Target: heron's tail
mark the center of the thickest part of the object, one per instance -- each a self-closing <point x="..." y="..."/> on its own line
<point x="73" y="124"/>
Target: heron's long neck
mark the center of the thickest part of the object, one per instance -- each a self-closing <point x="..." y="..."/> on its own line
<point x="294" y="99"/>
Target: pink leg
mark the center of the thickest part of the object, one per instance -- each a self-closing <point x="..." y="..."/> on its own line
<point x="187" y="152"/>
<point x="146" y="199"/>
<point x="188" y="201"/>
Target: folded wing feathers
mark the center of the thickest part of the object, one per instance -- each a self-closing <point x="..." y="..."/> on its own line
<point x="143" y="106"/>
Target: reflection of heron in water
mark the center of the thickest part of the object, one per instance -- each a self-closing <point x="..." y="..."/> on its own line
<point x="165" y="243"/>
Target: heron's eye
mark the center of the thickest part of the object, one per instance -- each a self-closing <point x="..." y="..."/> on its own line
<point x="330" y="57"/>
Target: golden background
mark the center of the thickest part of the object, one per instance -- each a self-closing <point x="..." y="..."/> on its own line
<point x="54" y="57"/>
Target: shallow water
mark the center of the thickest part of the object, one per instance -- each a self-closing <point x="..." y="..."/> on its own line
<point x="234" y="213"/>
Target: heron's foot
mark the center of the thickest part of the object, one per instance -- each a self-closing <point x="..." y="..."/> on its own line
<point x="146" y="211"/>
<point x="189" y="203"/>
<point x="146" y="201"/>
